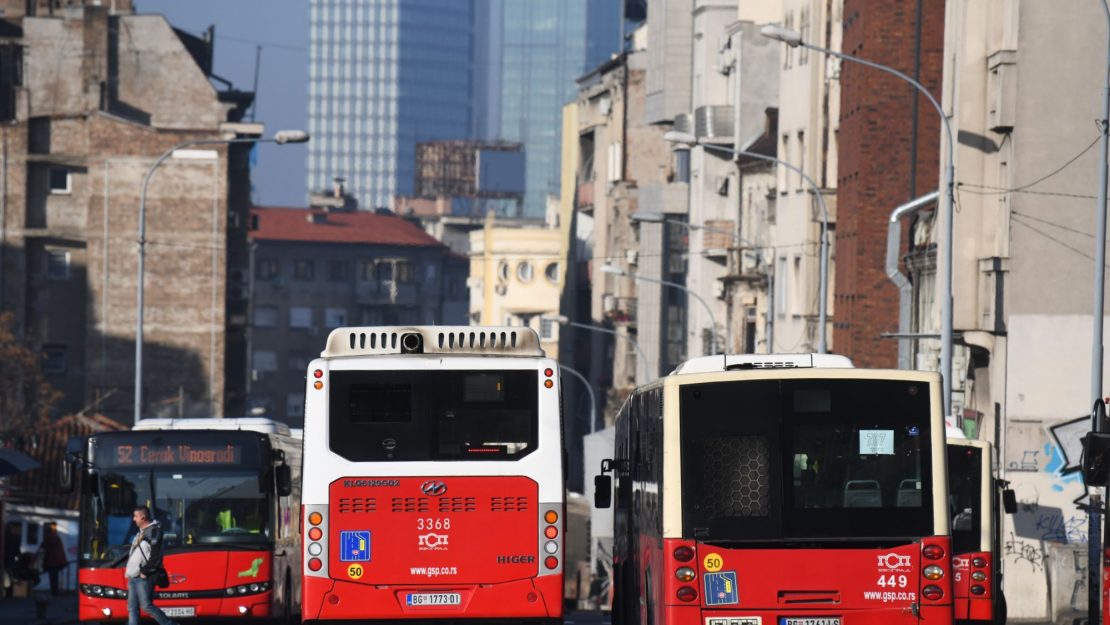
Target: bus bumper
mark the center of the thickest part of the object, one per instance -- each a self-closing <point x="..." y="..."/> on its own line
<point x="251" y="606"/>
<point x="694" y="615"/>
<point x="540" y="598"/>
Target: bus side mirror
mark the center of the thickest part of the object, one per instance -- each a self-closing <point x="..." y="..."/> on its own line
<point x="1009" y="501"/>
<point x="603" y="491"/>
<point x="284" y="477"/>
<point x="1096" y="460"/>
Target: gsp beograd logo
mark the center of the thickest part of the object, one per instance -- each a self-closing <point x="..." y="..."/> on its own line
<point x="434" y="488"/>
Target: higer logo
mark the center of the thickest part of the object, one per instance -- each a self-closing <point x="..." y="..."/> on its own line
<point x="894" y="562"/>
<point x="432" y="542"/>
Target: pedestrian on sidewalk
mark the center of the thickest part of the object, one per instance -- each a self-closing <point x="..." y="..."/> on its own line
<point x="144" y="560"/>
<point x="53" y="556"/>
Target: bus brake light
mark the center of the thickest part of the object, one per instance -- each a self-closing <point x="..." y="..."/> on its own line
<point x="933" y="593"/>
<point x="314" y="564"/>
<point x="315" y="533"/>
<point x="683" y="554"/>
<point x="933" y="552"/>
<point x="551" y="531"/>
<point x="319" y="373"/>
<point x="687" y="594"/>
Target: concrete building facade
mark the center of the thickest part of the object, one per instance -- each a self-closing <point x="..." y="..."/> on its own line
<point x="1022" y="82"/>
<point x="318" y="269"/>
<point x="91" y="98"/>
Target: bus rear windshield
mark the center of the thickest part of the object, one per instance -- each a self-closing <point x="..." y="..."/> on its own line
<point x="806" y="459"/>
<point x="433" y="415"/>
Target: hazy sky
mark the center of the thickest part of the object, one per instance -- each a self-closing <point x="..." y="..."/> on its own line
<point x="281" y="28"/>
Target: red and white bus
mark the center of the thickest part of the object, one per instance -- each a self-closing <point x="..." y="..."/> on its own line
<point x="226" y="494"/>
<point x="780" y="489"/>
<point x="974" y="495"/>
<point x="433" y="482"/>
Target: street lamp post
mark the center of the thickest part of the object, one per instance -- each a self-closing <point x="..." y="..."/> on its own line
<point x="563" y="320"/>
<point x="685" y="138"/>
<point x="280" y="138"/>
<point x="709" y="311"/>
<point x="794" y="40"/>
<point x="589" y="390"/>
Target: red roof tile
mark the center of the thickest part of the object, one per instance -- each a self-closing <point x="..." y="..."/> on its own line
<point x="366" y="227"/>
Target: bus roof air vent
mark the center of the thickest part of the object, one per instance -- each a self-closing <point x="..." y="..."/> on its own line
<point x="462" y="340"/>
<point x="734" y="362"/>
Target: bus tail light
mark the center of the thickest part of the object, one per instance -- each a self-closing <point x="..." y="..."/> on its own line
<point x="933" y="552"/>
<point x="683" y="553"/>
<point x="315" y="539"/>
<point x="977" y="589"/>
<point x="686" y="593"/>
<point x="932" y="592"/>
<point x="933" y="572"/>
<point x="550" y="538"/>
<point x="981" y="575"/>
<point x="935" y="563"/>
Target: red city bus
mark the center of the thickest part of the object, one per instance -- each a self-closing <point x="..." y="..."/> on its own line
<point x="974" y="493"/>
<point x="784" y="489"/>
<point x="226" y="494"/>
<point x="433" y="481"/>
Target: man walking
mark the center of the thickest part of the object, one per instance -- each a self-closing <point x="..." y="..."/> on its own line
<point x="145" y="558"/>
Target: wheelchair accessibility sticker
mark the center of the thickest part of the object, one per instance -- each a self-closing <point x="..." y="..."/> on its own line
<point x="720" y="588"/>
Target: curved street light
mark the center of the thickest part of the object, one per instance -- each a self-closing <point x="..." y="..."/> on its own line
<point x="709" y="311"/>
<point x="687" y="139"/>
<point x="590" y="390"/>
<point x="281" y="137"/>
<point x="794" y="39"/>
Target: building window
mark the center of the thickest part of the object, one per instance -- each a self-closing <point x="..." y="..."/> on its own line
<point x="552" y="273"/>
<point x="59" y="181"/>
<point x="781" y="280"/>
<point x="430" y="274"/>
<point x="298" y="363"/>
<point x="404" y="273"/>
<point x="682" y="165"/>
<point x="303" y="269"/>
<point x="503" y="271"/>
<point x="264" y="361"/>
<point x="524" y="272"/>
<point x="384" y="272"/>
<point x="335" y="317"/>
<point x="265" y="316"/>
<point x="300" y="317"/>
<point x="266" y="268"/>
<point x="54" y="358"/>
<point x="547" y="329"/>
<point x="339" y="270"/>
<point x="366" y="269"/>
<point x="294" y="405"/>
<point x="57" y="265"/>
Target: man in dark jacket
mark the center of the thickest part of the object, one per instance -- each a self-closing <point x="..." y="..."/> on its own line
<point x="54" y="556"/>
<point x="145" y="558"/>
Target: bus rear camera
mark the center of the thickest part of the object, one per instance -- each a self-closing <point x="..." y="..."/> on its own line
<point x="412" y="343"/>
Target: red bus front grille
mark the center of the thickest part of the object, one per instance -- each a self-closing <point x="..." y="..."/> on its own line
<point x="358" y="504"/>
<point x="458" y="504"/>
<point x="509" y="504"/>
<point x="410" y="504"/>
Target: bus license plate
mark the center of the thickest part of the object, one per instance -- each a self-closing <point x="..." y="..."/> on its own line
<point x="434" y="598"/>
<point x="180" y="611"/>
<point x="809" y="620"/>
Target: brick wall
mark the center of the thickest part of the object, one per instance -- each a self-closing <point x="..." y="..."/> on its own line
<point x="876" y="155"/>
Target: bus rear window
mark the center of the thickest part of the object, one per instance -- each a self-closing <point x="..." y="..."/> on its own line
<point x="433" y="415"/>
<point x="803" y="459"/>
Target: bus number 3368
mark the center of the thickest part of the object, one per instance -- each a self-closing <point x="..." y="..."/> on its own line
<point x="433" y="524"/>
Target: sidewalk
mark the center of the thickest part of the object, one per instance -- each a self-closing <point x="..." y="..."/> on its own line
<point x="59" y="610"/>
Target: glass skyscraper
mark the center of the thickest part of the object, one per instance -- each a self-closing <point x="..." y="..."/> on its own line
<point x="384" y="75"/>
<point x="542" y="47"/>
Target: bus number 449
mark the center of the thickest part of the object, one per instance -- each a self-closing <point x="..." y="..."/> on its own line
<point x="892" y="581"/>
